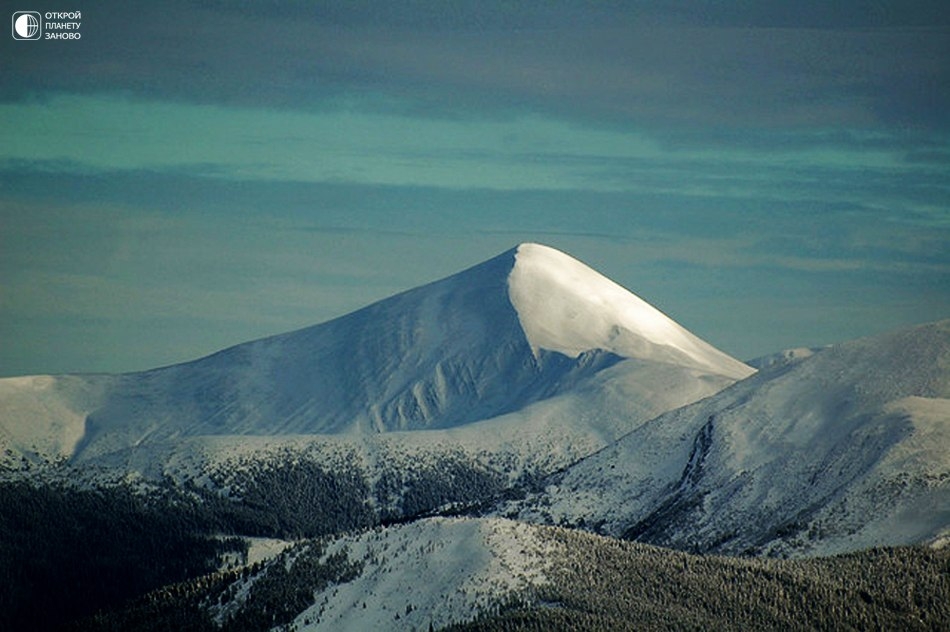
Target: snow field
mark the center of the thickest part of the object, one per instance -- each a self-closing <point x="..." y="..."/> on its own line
<point x="437" y="571"/>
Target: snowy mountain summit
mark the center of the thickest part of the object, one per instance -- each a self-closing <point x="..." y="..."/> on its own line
<point x="567" y="307"/>
<point x="526" y="326"/>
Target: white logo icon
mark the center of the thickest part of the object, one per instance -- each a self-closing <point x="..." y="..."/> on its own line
<point x="26" y="25"/>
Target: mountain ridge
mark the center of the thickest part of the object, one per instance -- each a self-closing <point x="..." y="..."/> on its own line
<point x="840" y="450"/>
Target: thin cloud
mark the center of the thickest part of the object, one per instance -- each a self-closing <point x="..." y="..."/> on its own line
<point x="660" y="66"/>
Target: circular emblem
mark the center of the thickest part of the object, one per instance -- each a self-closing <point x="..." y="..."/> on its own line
<point x="26" y="26"/>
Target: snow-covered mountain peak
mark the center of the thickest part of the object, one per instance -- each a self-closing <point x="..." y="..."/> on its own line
<point x="529" y="325"/>
<point x="565" y="306"/>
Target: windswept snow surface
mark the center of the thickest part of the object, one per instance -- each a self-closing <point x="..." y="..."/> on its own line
<point x="475" y="346"/>
<point x="43" y="417"/>
<point x="540" y="438"/>
<point x="567" y="307"/>
<point x="842" y="450"/>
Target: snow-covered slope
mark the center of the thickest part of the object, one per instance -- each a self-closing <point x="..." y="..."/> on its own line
<point x="567" y="307"/>
<point x="842" y="450"/>
<point x="525" y="327"/>
<point x="437" y="571"/>
<point x="43" y="417"/>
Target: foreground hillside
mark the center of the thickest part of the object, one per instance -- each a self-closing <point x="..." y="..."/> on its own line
<point x="500" y="575"/>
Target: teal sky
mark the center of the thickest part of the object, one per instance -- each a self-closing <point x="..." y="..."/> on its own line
<point x="184" y="179"/>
